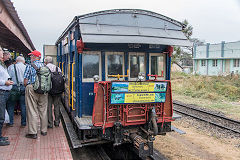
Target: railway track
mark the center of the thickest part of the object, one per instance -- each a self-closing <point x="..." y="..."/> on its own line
<point x="90" y="153"/>
<point x="156" y="156"/>
<point x="207" y="116"/>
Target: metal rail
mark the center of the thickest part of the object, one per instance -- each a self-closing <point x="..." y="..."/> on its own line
<point x="156" y="156"/>
<point x="103" y="155"/>
<point x="206" y="116"/>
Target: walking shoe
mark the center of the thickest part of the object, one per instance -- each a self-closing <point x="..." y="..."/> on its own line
<point x="56" y="124"/>
<point x="9" y="125"/>
<point x="23" y="126"/>
<point x="4" y="143"/>
<point x="43" y="133"/>
<point x="33" y="136"/>
<point x="49" y="126"/>
<point x="4" y="138"/>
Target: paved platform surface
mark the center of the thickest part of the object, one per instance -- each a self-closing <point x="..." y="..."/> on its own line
<point x="53" y="146"/>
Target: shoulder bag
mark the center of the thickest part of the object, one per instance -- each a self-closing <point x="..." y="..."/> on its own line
<point x="15" y="93"/>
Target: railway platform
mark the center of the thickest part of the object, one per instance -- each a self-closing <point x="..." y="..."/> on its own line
<point x="53" y="146"/>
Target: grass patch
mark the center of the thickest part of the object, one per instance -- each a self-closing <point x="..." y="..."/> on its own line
<point x="208" y="87"/>
<point x="214" y="92"/>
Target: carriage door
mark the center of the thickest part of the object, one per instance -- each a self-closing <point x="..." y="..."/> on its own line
<point x="91" y="66"/>
<point x="136" y="65"/>
<point x="157" y="65"/>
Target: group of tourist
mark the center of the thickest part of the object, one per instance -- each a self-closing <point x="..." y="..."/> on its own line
<point x="16" y="87"/>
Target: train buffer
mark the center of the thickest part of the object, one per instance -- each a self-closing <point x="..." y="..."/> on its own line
<point x="52" y="146"/>
<point x="176" y="116"/>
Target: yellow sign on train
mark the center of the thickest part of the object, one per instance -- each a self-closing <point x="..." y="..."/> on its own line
<point x="138" y="92"/>
<point x="139" y="97"/>
<point x="140" y="87"/>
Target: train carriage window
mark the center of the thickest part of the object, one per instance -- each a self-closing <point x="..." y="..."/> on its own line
<point x="91" y="65"/>
<point x="114" y="64"/>
<point x="157" y="65"/>
<point x="136" y="64"/>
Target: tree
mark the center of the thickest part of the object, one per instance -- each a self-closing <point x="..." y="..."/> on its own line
<point x="187" y="29"/>
<point x="184" y="53"/>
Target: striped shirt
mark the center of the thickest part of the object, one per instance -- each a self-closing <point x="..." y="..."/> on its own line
<point x="30" y="73"/>
<point x="4" y="77"/>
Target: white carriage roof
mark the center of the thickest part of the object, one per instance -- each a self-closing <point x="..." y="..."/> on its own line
<point x="131" y="26"/>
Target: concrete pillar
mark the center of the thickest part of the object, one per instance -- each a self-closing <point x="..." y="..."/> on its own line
<point x="222" y="55"/>
<point x="207" y="56"/>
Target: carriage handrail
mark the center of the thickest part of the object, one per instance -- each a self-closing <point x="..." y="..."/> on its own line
<point x="72" y="85"/>
<point x="118" y="76"/>
<point x="155" y="75"/>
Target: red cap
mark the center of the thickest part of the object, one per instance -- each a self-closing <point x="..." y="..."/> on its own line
<point x="35" y="53"/>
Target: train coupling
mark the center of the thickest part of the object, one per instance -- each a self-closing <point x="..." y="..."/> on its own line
<point x="142" y="147"/>
<point x="118" y="132"/>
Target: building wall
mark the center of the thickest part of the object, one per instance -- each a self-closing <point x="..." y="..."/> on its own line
<point x="232" y="50"/>
<point x="176" y="68"/>
<point x="201" y="51"/>
<point x="214" y="51"/>
<point x="50" y="50"/>
<point x="224" y="53"/>
<point x="202" y="70"/>
<point x="235" y="69"/>
<point x="214" y="70"/>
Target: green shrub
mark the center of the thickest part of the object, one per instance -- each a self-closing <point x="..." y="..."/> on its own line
<point x="209" y="87"/>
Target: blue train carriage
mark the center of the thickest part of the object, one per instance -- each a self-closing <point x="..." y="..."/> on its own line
<point x="117" y="65"/>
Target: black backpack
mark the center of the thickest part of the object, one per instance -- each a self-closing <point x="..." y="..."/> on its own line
<point x="57" y="83"/>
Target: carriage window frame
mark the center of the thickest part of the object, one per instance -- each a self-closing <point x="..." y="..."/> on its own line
<point x="129" y="66"/>
<point x="106" y="65"/>
<point x="164" y="65"/>
<point x="100" y="64"/>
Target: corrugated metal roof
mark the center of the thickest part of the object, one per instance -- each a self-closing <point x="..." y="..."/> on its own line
<point x="130" y="26"/>
<point x="13" y="13"/>
<point x="130" y="11"/>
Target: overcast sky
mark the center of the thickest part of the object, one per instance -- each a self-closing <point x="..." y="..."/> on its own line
<point x="212" y="20"/>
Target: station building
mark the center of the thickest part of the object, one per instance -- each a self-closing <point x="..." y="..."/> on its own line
<point x="217" y="59"/>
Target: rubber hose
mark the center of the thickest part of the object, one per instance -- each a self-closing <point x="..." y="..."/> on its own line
<point x="155" y="127"/>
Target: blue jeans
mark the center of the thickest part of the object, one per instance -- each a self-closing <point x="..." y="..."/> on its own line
<point x="11" y="106"/>
<point x="3" y="101"/>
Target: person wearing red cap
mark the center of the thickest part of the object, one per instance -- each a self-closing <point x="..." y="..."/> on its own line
<point x="36" y="104"/>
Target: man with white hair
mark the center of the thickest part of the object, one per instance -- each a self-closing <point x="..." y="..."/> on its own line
<point x="16" y="72"/>
<point x="53" y="99"/>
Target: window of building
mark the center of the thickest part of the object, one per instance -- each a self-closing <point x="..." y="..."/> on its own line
<point x="214" y="63"/>
<point x="114" y="63"/>
<point x="236" y="62"/>
<point x="203" y="62"/>
<point x="91" y="65"/>
<point x="137" y="64"/>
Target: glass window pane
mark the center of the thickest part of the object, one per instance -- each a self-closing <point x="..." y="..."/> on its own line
<point x="157" y="65"/>
<point x="115" y="64"/>
<point x="136" y="65"/>
<point x="90" y="65"/>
